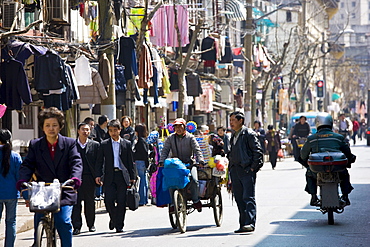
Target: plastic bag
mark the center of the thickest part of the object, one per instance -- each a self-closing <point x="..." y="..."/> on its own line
<point x="280" y="153"/>
<point x="45" y="198"/>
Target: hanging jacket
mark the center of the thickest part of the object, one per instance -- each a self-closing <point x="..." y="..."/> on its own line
<point x="15" y="88"/>
<point x="95" y="93"/>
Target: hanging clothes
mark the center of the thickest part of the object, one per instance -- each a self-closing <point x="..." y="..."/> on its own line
<point x="83" y="71"/>
<point x="145" y="67"/>
<point x="127" y="56"/>
<point x="21" y="51"/>
<point x="208" y="43"/>
<point x="105" y="70"/>
<point x="165" y="79"/>
<point x="120" y="84"/>
<point x="239" y="98"/>
<point x="95" y="93"/>
<point x="193" y="85"/>
<point x="50" y="72"/>
<point x="227" y="56"/>
<point x="205" y="99"/>
<point x="72" y="82"/>
<point x="14" y="89"/>
<point x="117" y="5"/>
<point x="174" y="79"/>
<point x="163" y="32"/>
<point x="134" y="25"/>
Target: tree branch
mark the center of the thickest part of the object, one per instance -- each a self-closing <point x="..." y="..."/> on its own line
<point x="8" y="34"/>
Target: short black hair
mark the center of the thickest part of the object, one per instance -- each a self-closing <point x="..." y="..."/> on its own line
<point x="141" y="130"/>
<point x="270" y="127"/>
<point x="259" y="123"/>
<point x="114" y="123"/>
<point x="238" y="115"/>
<point x="221" y="127"/>
<point x="82" y="124"/>
<point x="88" y="120"/>
<point x="102" y="119"/>
<point x="51" y="112"/>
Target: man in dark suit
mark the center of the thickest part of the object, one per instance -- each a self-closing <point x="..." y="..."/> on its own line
<point x="99" y="131"/>
<point x="88" y="150"/>
<point x="115" y="163"/>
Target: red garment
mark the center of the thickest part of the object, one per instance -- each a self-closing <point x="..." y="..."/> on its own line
<point x="356" y="125"/>
<point x="52" y="148"/>
<point x="209" y="63"/>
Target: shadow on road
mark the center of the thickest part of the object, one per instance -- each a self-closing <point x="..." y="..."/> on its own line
<point x="309" y="227"/>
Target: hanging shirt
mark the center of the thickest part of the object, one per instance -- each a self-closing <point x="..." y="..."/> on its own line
<point x="127" y="56"/>
<point x="83" y="71"/>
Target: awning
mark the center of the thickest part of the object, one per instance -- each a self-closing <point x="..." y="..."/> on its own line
<point x="221" y="106"/>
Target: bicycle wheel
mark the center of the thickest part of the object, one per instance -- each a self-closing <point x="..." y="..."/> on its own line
<point x="41" y="240"/>
<point x="216" y="202"/>
<point x="180" y="210"/>
<point x="172" y="218"/>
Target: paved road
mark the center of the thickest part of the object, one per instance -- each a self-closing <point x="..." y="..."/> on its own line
<point x="284" y="217"/>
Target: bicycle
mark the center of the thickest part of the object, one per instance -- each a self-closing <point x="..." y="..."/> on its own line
<point x="183" y="207"/>
<point x="46" y="233"/>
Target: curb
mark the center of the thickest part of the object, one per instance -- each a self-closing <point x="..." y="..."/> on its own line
<point x="25" y="222"/>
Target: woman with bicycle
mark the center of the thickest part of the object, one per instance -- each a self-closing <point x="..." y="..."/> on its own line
<point x="50" y="157"/>
<point x="9" y="167"/>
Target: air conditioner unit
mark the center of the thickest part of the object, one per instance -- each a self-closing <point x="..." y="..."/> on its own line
<point x="10" y="10"/>
<point x="57" y="11"/>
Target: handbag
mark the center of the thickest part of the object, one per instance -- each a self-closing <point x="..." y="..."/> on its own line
<point x="280" y="153"/>
<point x="132" y="198"/>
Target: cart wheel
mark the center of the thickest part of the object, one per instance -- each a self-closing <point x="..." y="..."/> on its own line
<point x="172" y="218"/>
<point x="330" y="216"/>
<point x="217" y="206"/>
<point x="180" y="210"/>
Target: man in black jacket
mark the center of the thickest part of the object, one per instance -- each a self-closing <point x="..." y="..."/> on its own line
<point x="99" y="131"/>
<point x="245" y="158"/>
<point x="88" y="150"/>
<point x="115" y="162"/>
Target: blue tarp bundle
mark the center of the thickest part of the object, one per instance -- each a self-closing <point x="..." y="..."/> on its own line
<point x="175" y="174"/>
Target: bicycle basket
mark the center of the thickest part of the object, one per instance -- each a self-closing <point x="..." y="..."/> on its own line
<point x="44" y="198"/>
<point x="204" y="173"/>
<point x="301" y="142"/>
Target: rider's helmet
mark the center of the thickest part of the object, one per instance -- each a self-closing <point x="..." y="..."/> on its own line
<point x="323" y="120"/>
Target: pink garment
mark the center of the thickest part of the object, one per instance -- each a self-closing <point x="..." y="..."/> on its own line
<point x="206" y="98"/>
<point x="163" y="31"/>
<point x="153" y="184"/>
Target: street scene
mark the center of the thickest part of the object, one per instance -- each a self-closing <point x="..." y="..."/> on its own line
<point x="184" y="122"/>
<point x="284" y="217"/>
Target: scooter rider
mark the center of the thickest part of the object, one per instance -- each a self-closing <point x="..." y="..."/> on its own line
<point x="326" y="140"/>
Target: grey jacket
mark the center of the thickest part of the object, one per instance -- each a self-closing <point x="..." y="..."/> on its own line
<point x="182" y="148"/>
<point x="249" y="148"/>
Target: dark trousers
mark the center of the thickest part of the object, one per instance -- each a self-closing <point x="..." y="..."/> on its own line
<point x="115" y="199"/>
<point x="243" y="186"/>
<point x="296" y="149"/>
<point x="311" y="182"/>
<point x="273" y="156"/>
<point x="86" y="193"/>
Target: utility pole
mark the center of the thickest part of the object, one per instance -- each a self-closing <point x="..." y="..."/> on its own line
<point x="249" y="101"/>
<point x="108" y="106"/>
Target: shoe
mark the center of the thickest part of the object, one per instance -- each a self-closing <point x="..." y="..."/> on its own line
<point x="247" y="228"/>
<point x="92" y="229"/>
<point x="198" y="206"/>
<point x="111" y="225"/>
<point x="76" y="231"/>
<point x="171" y="209"/>
<point x="314" y="200"/>
<point x="118" y="230"/>
<point x="97" y="199"/>
<point x="346" y="200"/>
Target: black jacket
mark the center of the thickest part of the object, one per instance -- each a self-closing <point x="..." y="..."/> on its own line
<point x="249" y="149"/>
<point x="128" y="134"/>
<point x="105" y="162"/>
<point x="99" y="134"/>
<point x="141" y="151"/>
<point x="91" y="153"/>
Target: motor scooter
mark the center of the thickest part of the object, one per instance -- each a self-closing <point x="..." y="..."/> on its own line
<point x="328" y="165"/>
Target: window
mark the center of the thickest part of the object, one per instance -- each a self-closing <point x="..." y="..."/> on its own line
<point x="342" y="5"/>
<point x="25" y="118"/>
<point x="342" y="16"/>
<point x="288" y="16"/>
<point x="353" y="15"/>
<point x="369" y="17"/>
<point x="353" y="4"/>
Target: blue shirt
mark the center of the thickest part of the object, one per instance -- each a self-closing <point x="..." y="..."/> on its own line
<point x="7" y="188"/>
<point x="116" y="158"/>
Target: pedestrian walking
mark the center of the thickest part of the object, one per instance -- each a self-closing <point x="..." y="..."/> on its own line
<point x="363" y="127"/>
<point x="88" y="150"/>
<point x="115" y="163"/>
<point x="245" y="160"/>
<point x="141" y="158"/>
<point x="50" y="157"/>
<point x="225" y="138"/>
<point x="100" y="131"/>
<point x="261" y="134"/>
<point x="10" y="163"/>
<point x="273" y="144"/>
<point x="127" y="131"/>
<point x="355" y="128"/>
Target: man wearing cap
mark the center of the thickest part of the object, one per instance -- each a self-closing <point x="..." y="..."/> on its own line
<point x="184" y="146"/>
<point x="245" y="159"/>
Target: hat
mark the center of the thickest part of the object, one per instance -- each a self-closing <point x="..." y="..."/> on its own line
<point x="180" y="121"/>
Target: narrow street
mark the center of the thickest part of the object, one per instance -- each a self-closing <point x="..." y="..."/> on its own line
<point x="284" y="217"/>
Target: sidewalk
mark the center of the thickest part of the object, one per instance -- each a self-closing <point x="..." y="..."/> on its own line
<point x="25" y="217"/>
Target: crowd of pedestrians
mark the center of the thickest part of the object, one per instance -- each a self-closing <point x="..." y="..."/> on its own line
<point x="111" y="155"/>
